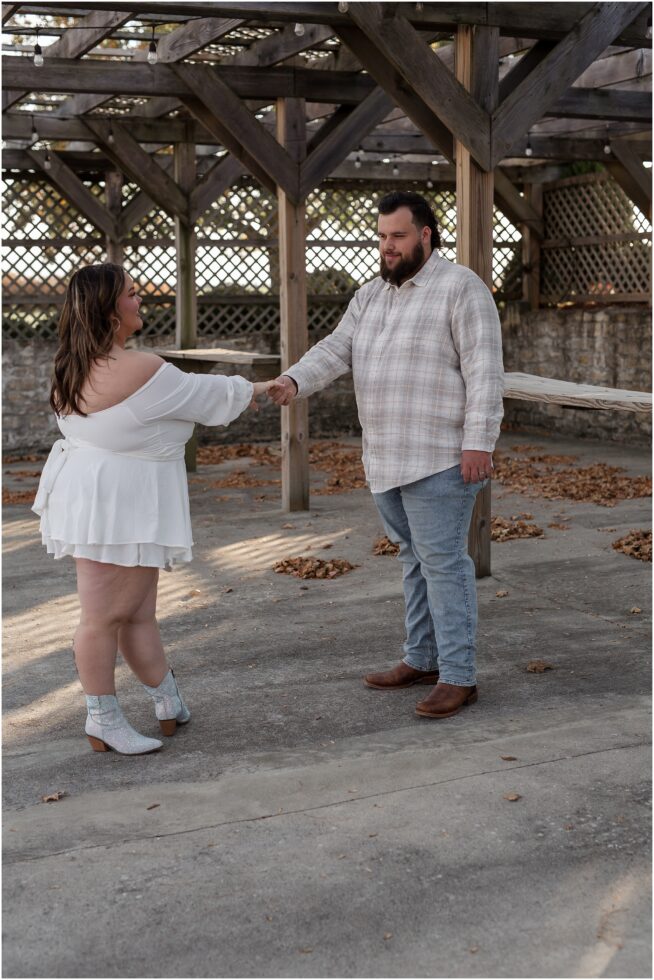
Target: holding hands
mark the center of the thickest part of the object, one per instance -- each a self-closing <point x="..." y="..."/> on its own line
<point x="280" y="390"/>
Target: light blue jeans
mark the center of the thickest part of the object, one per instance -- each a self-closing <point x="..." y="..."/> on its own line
<point x="429" y="519"/>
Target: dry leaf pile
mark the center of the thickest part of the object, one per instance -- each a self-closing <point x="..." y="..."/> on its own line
<point x="264" y="454"/>
<point x="556" y="478"/>
<point x="27" y="458"/>
<point x="383" y="546"/>
<point x="239" y="479"/>
<point x="310" y="567"/>
<point x="636" y="544"/>
<point x="539" y="666"/>
<point x="507" y="529"/>
<point x="343" y="463"/>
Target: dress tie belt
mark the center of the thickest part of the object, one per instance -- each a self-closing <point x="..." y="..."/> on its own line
<point x="53" y="466"/>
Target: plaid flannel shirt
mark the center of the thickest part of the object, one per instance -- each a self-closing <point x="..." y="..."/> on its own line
<point x="426" y="359"/>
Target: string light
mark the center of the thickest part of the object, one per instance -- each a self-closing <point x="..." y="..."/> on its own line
<point x="342" y="8"/>
<point x="111" y="139"/>
<point x="152" y="50"/>
<point x="419" y="8"/>
<point x="47" y="162"/>
<point x="528" y="150"/>
<point x="430" y="184"/>
<point x="299" y="30"/>
<point x="38" y="53"/>
<point x="34" y="136"/>
<point x="396" y="169"/>
<point x="357" y="160"/>
<point x="607" y="145"/>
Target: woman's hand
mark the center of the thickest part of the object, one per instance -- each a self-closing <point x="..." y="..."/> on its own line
<point x="260" y="388"/>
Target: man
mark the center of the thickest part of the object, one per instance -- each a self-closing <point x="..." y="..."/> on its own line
<point x="423" y="342"/>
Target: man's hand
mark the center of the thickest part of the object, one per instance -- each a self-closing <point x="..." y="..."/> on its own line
<point x="282" y="390"/>
<point x="475" y="465"/>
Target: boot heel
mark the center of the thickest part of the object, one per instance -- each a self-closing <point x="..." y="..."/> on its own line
<point x="472" y="699"/>
<point x="168" y="725"/>
<point x="97" y="744"/>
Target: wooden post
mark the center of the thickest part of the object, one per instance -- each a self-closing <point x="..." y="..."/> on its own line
<point x="294" y="340"/>
<point x="185" y="297"/>
<point x="477" y="68"/>
<point x="113" y="195"/>
<point x="531" y="250"/>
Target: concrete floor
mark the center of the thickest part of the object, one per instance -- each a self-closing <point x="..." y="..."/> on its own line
<point x="305" y="826"/>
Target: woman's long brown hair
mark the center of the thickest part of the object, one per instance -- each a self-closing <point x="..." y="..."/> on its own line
<point x="86" y="331"/>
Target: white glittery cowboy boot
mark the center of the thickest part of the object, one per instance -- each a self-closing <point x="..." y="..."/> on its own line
<point x="107" y="728"/>
<point x="168" y="705"/>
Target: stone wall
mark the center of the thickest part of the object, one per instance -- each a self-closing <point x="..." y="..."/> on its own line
<point x="610" y="345"/>
<point x="605" y="346"/>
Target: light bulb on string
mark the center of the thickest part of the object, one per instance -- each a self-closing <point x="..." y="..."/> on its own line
<point x="34" y="136"/>
<point x="396" y="170"/>
<point x="47" y="162"/>
<point x="607" y="144"/>
<point x="38" y="53"/>
<point x="430" y="184"/>
<point x="419" y="8"/>
<point x="299" y="30"/>
<point x="357" y="161"/>
<point x="342" y="8"/>
<point x="528" y="150"/>
<point x="152" y="50"/>
<point x="111" y="139"/>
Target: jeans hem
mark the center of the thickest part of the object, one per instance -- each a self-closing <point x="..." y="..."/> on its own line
<point x="458" y="681"/>
<point x="427" y="670"/>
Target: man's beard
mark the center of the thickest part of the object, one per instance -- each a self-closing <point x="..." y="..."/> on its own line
<point x="405" y="268"/>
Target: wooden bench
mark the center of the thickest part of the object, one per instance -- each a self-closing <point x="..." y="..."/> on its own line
<point x="265" y="366"/>
<point x="532" y="388"/>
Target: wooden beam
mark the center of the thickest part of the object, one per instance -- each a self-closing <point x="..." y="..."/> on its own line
<point x="275" y="48"/>
<point x="335" y="147"/>
<point x="250" y="141"/>
<point x="604" y="103"/>
<point x="193" y="36"/>
<point x="221" y="176"/>
<point x="294" y="337"/>
<point x="75" y="191"/>
<point x="427" y="76"/>
<point x="531" y="249"/>
<point x="543" y="19"/>
<point x="384" y="73"/>
<point x="631" y="175"/>
<point x="556" y="72"/>
<point x="8" y="11"/>
<point x="516" y="208"/>
<point x="524" y="66"/>
<point x="477" y="70"/>
<point x="77" y="105"/>
<point x="123" y="78"/>
<point x="113" y="194"/>
<point x="130" y="157"/>
<point x="81" y="38"/>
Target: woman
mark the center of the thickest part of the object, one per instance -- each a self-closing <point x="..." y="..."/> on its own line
<point x="113" y="493"/>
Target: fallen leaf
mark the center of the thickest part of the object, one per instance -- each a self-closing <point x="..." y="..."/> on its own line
<point x="635" y="610"/>
<point x="153" y="806"/>
<point x="474" y="949"/>
<point x="54" y="797"/>
<point x="388" y="935"/>
<point x="306" y="567"/>
<point x="636" y="544"/>
<point x="509" y="758"/>
<point x="501" y="593"/>
<point x="288" y="527"/>
<point x="373" y="835"/>
<point x="560" y="527"/>
<point x="384" y="546"/>
<point x="569" y="826"/>
<point x="508" y="529"/>
<point x="227" y="589"/>
<point x="538" y="666"/>
<point x="307" y="949"/>
<point x="512" y="797"/>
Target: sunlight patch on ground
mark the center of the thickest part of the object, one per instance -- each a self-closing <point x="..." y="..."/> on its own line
<point x="260" y="553"/>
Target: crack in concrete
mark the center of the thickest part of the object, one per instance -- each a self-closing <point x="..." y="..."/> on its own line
<point x="321" y="806"/>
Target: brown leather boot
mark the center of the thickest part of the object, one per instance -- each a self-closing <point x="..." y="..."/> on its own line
<point x="400" y="676"/>
<point x="446" y="700"/>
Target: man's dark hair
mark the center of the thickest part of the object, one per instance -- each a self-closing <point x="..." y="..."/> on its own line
<point x="423" y="216"/>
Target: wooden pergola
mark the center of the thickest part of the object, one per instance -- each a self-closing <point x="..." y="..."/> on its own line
<point x="295" y="92"/>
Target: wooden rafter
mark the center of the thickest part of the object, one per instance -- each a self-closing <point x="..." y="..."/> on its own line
<point x="555" y="73"/>
<point x="193" y="36"/>
<point x="237" y="127"/>
<point x="130" y="157"/>
<point x="76" y="192"/>
<point x="403" y="48"/>
<point x="221" y="176"/>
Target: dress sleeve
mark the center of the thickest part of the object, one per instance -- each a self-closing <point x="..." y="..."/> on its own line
<point x="211" y="399"/>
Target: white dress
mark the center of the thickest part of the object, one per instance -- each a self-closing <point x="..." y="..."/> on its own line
<point x="114" y="488"/>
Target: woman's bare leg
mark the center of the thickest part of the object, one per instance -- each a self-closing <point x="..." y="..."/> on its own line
<point x="140" y="643"/>
<point x="109" y="596"/>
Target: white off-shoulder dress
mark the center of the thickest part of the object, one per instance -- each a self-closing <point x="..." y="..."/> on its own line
<point x="114" y="488"/>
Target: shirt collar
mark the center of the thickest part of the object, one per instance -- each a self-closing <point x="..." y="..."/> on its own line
<point x="422" y="276"/>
